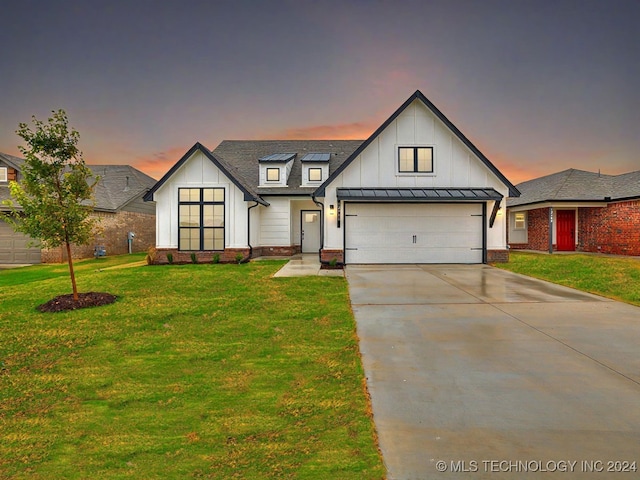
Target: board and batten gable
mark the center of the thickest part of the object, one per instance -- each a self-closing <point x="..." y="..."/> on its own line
<point x="199" y="172"/>
<point x="454" y="166"/>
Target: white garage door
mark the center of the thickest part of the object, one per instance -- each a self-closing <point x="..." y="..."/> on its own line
<point x="413" y="233"/>
<point x="14" y="246"/>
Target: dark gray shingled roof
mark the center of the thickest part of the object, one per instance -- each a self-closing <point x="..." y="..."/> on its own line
<point x="14" y="162"/>
<point x="112" y="192"/>
<point x="119" y="185"/>
<point x="243" y="156"/>
<point x="577" y="185"/>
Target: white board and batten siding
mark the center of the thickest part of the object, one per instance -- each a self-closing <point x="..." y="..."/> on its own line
<point x="280" y="221"/>
<point x="199" y="172"/>
<point x="275" y="223"/>
<point x="455" y="165"/>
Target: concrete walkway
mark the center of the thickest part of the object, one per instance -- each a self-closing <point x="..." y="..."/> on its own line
<point x="304" y="265"/>
<point x="474" y="371"/>
<point x="7" y="266"/>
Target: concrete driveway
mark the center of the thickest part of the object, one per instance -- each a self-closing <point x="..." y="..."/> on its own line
<point x="474" y="371"/>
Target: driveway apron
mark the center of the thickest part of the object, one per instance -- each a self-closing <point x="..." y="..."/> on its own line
<point x="474" y="371"/>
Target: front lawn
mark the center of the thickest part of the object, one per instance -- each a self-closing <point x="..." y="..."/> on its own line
<point x="612" y="277"/>
<point x="214" y="371"/>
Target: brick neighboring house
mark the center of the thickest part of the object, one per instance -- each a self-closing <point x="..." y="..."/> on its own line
<point x="119" y="206"/>
<point x="575" y="210"/>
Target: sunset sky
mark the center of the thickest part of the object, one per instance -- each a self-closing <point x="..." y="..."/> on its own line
<point x="538" y="86"/>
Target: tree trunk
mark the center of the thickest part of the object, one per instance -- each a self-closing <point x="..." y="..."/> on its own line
<point x="73" y="275"/>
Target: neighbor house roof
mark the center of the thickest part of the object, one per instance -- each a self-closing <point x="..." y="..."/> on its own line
<point x="418" y="95"/>
<point x="12" y="161"/>
<point x="577" y="185"/>
<point x="118" y="185"/>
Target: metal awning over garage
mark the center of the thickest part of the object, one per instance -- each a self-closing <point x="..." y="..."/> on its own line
<point x="418" y="194"/>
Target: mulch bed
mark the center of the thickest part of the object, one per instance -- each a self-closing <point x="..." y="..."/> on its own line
<point x="66" y="302"/>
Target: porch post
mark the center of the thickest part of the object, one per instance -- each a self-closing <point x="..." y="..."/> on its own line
<point x="550" y="229"/>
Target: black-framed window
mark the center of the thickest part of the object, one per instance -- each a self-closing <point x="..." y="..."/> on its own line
<point x="315" y="174"/>
<point x="273" y="174"/>
<point x="415" y="159"/>
<point x="201" y="219"/>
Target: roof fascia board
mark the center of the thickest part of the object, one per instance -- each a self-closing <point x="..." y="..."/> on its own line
<point x="558" y="204"/>
<point x="513" y="191"/>
<point x="625" y="199"/>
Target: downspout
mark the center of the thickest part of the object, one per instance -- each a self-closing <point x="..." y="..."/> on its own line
<point x="321" y="205"/>
<point x="249" y="228"/>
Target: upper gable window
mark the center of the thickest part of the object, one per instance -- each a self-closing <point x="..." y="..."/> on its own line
<point x="273" y="174"/>
<point x="315" y="174"/>
<point x="415" y="159"/>
<point x="3" y="174"/>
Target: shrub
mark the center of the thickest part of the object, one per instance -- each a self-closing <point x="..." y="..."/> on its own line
<point x="239" y="257"/>
<point x="170" y="257"/>
<point x="152" y="255"/>
<point x="216" y="258"/>
<point x="333" y="262"/>
<point x="194" y="258"/>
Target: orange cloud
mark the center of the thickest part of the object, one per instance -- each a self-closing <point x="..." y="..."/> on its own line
<point x="158" y="163"/>
<point x="345" y="131"/>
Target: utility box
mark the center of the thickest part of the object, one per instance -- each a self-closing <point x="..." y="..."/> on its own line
<point x="99" y="251"/>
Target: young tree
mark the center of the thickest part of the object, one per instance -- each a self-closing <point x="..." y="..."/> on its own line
<point x="54" y="196"/>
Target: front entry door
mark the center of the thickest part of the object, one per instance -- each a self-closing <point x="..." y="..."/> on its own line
<point x="310" y="231"/>
<point x="566" y="230"/>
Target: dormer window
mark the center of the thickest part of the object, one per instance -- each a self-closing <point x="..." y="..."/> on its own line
<point x="273" y="174"/>
<point x="3" y="174"/>
<point x="275" y="169"/>
<point x="315" y="168"/>
<point x="315" y="174"/>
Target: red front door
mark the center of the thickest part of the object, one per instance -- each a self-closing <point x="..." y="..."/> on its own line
<point x="566" y="230"/>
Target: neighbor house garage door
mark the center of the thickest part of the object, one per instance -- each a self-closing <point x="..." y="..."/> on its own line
<point x="14" y="246"/>
<point x="413" y="233"/>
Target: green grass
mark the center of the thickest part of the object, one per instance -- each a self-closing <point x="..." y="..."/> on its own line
<point x="612" y="277"/>
<point x="211" y="371"/>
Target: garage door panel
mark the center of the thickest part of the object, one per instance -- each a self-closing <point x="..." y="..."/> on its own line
<point x="15" y="247"/>
<point x="413" y="233"/>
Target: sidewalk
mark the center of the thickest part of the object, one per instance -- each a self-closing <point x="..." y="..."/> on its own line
<point x="305" y="265"/>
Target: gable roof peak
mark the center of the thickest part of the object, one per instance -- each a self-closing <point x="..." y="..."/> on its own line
<point x="513" y="191"/>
